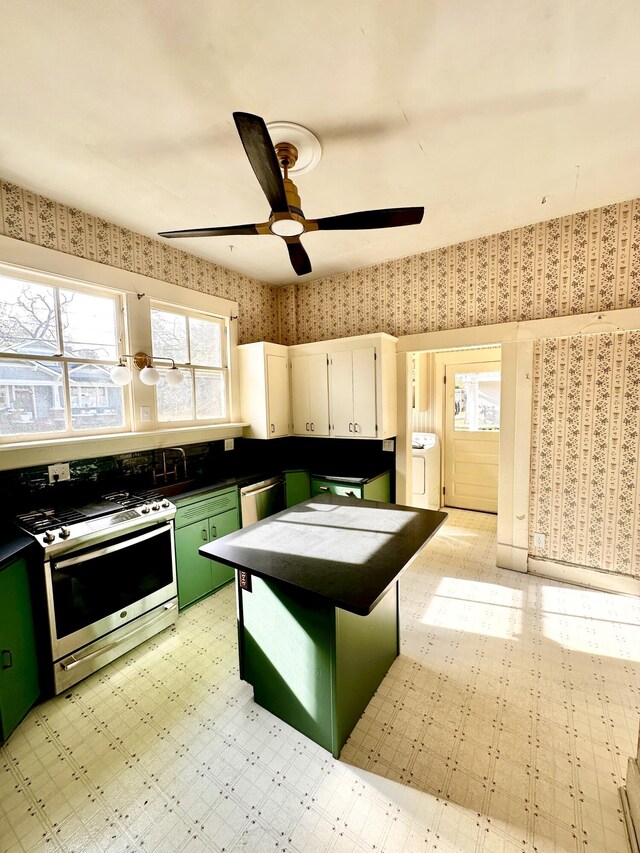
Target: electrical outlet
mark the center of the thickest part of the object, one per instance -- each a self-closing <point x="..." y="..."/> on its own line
<point x="59" y="472"/>
<point x="387" y="445"/>
<point x="228" y="444"/>
<point x="539" y="540"/>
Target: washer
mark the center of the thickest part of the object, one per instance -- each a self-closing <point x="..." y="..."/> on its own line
<point x="426" y="470"/>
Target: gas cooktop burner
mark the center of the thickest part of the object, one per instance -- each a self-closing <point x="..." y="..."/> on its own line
<point x="41" y="520"/>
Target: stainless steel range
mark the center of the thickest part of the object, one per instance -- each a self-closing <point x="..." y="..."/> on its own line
<point x="109" y="578"/>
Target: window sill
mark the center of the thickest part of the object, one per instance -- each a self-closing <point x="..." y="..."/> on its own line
<point x="27" y="454"/>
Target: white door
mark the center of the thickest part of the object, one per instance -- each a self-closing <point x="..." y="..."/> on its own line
<point x="364" y="392"/>
<point x="341" y="393"/>
<point x="318" y="389"/>
<point x="300" y="394"/>
<point x="472" y="435"/>
<point x="278" y="394"/>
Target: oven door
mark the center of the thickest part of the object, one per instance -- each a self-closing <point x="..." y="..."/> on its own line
<point x="94" y="591"/>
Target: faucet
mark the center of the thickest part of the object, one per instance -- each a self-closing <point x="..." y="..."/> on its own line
<point x="166" y="473"/>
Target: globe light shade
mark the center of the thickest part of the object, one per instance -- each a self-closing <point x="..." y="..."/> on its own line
<point x="173" y="376"/>
<point x="121" y="375"/>
<point x="149" y="375"/>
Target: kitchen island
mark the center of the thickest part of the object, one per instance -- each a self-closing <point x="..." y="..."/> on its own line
<point x="317" y="594"/>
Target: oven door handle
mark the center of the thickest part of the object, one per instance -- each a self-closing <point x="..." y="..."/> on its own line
<point x="73" y="661"/>
<point x="109" y="549"/>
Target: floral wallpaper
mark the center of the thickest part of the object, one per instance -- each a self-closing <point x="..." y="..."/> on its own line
<point x="586" y="433"/>
<point x="585" y="451"/>
<point x="585" y="262"/>
<point x="35" y="219"/>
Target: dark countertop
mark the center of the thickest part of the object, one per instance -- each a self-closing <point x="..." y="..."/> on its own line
<point x="347" y="552"/>
<point x="14" y="544"/>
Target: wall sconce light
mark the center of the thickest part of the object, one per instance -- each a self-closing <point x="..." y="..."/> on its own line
<point x="122" y="375"/>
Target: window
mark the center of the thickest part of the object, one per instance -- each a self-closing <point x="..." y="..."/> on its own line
<point x="477" y="401"/>
<point x="198" y="344"/>
<point x="57" y="346"/>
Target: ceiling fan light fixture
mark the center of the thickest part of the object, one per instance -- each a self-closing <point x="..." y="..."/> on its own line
<point x="287" y="228"/>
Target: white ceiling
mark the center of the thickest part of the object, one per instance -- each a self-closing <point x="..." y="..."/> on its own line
<point x="477" y="111"/>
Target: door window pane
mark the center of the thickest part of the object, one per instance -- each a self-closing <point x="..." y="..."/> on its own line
<point x="32" y="397"/>
<point x="477" y="401"/>
<point x="211" y="400"/>
<point x="88" y="325"/>
<point x="206" y="342"/>
<point x="175" y="402"/>
<point x="169" y="336"/>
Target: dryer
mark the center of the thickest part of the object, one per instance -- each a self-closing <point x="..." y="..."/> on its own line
<point x="426" y="470"/>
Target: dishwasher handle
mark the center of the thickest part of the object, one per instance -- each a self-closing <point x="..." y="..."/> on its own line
<point x="250" y="492"/>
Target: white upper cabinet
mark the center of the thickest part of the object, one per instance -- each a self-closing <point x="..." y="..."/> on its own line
<point x="310" y="394"/>
<point x="354" y="395"/>
<point x="264" y="389"/>
<point x="362" y="387"/>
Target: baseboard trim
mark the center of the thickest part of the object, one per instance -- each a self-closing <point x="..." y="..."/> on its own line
<point x="584" y="576"/>
<point x="511" y="557"/>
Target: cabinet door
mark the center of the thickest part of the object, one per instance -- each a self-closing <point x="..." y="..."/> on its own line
<point x="193" y="571"/>
<point x="300" y="395"/>
<point x="220" y="525"/>
<point x="19" y="683"/>
<point x="341" y="393"/>
<point x="364" y="392"/>
<point x="318" y="384"/>
<point x="278" y="396"/>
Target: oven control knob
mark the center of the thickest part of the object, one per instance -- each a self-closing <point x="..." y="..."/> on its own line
<point x="49" y="537"/>
<point x="144" y="508"/>
<point x="65" y="533"/>
<point x="165" y="503"/>
<point x="155" y="507"/>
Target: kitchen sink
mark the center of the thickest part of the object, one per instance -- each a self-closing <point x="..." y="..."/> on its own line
<point x="170" y="490"/>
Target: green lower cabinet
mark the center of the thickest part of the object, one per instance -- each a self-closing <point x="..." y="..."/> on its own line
<point x="313" y="665"/>
<point x="19" y="678"/>
<point x="297" y="487"/>
<point x="196" y="525"/>
<point x="378" y="489"/>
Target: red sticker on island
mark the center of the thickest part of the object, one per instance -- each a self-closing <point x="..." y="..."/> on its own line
<point x="245" y="580"/>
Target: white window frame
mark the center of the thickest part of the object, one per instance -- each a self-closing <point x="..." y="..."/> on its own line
<point x="191" y="367"/>
<point x="19" y="259"/>
<point x="67" y="361"/>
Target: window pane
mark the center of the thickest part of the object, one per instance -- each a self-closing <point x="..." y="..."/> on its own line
<point x="206" y="342"/>
<point x="96" y="403"/>
<point x="211" y="400"/>
<point x="27" y="318"/>
<point x="31" y="397"/>
<point x="477" y="401"/>
<point x="169" y="336"/>
<point x="88" y="325"/>
<point x="175" y="402"/>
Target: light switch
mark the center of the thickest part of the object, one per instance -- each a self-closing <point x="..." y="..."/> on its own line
<point x="145" y="413"/>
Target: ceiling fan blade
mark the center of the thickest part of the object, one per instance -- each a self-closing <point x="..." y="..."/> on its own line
<point x="262" y="156"/>
<point x="297" y="255"/>
<point x="388" y="218"/>
<point x="229" y="231"/>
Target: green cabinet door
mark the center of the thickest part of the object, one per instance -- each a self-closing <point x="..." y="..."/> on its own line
<point x="194" y="571"/>
<point x="220" y="525"/>
<point x="19" y="681"/>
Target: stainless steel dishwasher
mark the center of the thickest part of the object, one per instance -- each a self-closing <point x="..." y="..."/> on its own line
<point x="259" y="500"/>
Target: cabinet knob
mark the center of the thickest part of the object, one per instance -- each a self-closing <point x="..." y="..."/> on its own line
<point x="312" y="427"/>
<point x="350" y="427"/>
<point x="355" y="427"/>
<point x="273" y="428"/>
<point x="324" y="488"/>
<point x="214" y="532"/>
<point x="307" y="426"/>
<point x="7" y="659"/>
<point x="205" y="534"/>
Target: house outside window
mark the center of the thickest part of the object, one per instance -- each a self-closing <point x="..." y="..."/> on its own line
<point x="57" y="346"/>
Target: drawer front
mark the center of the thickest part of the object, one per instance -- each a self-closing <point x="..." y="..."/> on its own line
<point x="211" y="504"/>
<point x="320" y="487"/>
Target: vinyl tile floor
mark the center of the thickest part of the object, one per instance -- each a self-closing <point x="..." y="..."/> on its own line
<point x="504" y="725"/>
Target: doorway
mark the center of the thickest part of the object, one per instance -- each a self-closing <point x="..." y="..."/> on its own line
<point x="472" y="435"/>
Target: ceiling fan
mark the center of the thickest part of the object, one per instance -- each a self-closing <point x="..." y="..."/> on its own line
<point x="287" y="219"/>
